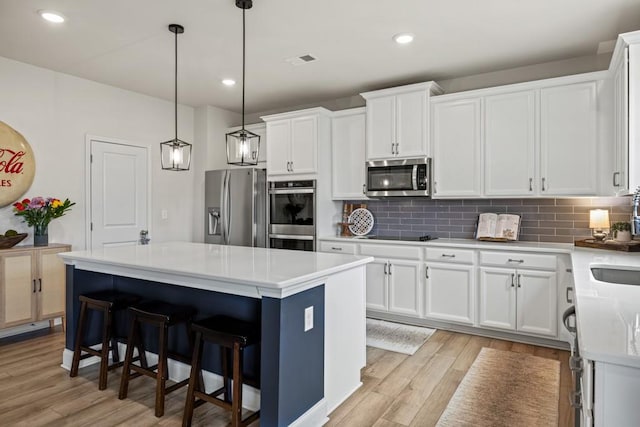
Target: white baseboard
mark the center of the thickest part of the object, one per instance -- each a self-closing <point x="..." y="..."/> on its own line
<point x="314" y="417"/>
<point x="178" y="371"/>
<point x="348" y="395"/>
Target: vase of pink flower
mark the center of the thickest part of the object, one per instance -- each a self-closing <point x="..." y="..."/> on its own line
<point x="38" y="213"/>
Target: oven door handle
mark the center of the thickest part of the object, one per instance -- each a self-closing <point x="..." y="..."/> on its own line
<point x="291" y="236"/>
<point x="291" y="190"/>
<point x="569" y="312"/>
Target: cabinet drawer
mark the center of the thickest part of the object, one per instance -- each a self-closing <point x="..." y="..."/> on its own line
<point x="461" y="256"/>
<point x="385" y="251"/>
<point x="338" y="247"/>
<point x="518" y="259"/>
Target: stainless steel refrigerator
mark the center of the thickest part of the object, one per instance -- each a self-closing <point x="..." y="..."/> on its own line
<point x="236" y="207"/>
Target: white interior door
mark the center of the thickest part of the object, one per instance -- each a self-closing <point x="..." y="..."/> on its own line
<point x="119" y="198"/>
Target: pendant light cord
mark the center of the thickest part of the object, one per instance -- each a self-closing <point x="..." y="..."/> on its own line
<point x="243" y="64"/>
<point x="175" y="87"/>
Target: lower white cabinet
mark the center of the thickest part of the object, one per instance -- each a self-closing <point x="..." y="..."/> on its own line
<point x="394" y="286"/>
<point x="518" y="300"/>
<point x="450" y="292"/>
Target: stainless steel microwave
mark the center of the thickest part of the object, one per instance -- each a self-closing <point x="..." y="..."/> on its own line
<point x="399" y="177"/>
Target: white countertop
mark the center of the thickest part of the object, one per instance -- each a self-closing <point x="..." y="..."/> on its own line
<point x="566" y="248"/>
<point x="233" y="269"/>
<point x="608" y="315"/>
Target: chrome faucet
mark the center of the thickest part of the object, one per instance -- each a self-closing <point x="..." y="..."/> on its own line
<point x="144" y="240"/>
<point x="636" y="213"/>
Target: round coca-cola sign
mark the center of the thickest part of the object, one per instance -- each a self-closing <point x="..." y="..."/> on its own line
<point x="17" y="165"/>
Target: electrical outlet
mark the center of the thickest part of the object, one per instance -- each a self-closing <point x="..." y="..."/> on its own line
<point x="164" y="214"/>
<point x="308" y="318"/>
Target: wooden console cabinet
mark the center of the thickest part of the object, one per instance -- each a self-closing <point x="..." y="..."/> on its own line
<point x="32" y="284"/>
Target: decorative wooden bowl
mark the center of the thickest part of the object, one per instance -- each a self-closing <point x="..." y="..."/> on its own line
<point x="9" y="242"/>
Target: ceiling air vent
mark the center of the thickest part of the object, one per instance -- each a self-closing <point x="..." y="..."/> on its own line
<point x="300" y="60"/>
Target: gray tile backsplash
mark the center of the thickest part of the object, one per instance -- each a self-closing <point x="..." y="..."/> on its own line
<point x="543" y="220"/>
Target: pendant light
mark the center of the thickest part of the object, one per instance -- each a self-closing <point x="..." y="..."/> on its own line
<point x="175" y="154"/>
<point x="243" y="146"/>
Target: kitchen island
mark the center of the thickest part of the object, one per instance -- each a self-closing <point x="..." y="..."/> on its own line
<point x="310" y="305"/>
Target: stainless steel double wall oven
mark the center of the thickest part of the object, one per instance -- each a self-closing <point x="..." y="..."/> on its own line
<point x="292" y="215"/>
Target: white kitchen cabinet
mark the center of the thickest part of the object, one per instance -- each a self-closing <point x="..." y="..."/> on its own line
<point x="450" y="292"/>
<point x="568" y="139"/>
<point x="348" y="177"/>
<point x="294" y="138"/>
<point x="510" y="144"/>
<point x="456" y="138"/>
<point x="620" y="178"/>
<point x="377" y="292"/>
<point x="404" y="287"/>
<point x="32" y="284"/>
<point x="518" y="299"/>
<point x="259" y="129"/>
<point x="397" y="121"/>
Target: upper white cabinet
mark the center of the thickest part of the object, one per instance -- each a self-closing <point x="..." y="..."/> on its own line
<point x="456" y="148"/>
<point x="568" y="138"/>
<point x="259" y="129"/>
<point x="397" y="121"/>
<point x="625" y="70"/>
<point x="510" y="144"/>
<point x="348" y="175"/>
<point x="293" y="142"/>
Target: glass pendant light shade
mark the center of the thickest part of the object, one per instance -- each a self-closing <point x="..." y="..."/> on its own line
<point x="175" y="154"/>
<point x="243" y="148"/>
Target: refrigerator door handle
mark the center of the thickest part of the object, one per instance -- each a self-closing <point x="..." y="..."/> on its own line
<point x="229" y="209"/>
<point x="223" y="207"/>
<point x="214" y="221"/>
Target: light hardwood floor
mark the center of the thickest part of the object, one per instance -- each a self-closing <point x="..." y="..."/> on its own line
<point x="398" y="390"/>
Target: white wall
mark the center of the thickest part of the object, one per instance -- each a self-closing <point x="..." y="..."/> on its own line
<point x="54" y="112"/>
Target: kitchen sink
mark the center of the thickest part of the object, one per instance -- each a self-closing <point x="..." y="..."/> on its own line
<point x="621" y="275"/>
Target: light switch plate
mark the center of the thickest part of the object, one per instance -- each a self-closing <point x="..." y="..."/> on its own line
<point x="308" y="318"/>
<point x="164" y="214"/>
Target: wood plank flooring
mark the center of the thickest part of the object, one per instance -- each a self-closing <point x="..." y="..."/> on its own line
<point x="398" y="390"/>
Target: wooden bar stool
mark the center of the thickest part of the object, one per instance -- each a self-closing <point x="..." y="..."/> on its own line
<point x="232" y="335"/>
<point x="162" y="315"/>
<point x="106" y="302"/>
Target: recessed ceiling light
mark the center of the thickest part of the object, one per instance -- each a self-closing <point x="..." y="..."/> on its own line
<point x="51" y="16"/>
<point x="403" y="38"/>
<point x="228" y="82"/>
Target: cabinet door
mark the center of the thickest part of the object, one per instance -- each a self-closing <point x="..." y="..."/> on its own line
<point x="620" y="178"/>
<point x="537" y="302"/>
<point x="497" y="298"/>
<point x="381" y="127"/>
<point x="404" y="287"/>
<point x="377" y="286"/>
<point x="348" y="165"/>
<point x="411" y="124"/>
<point x="450" y="292"/>
<point x="510" y="144"/>
<point x="278" y="150"/>
<point x="568" y="137"/>
<point x="51" y="283"/>
<point x="456" y="148"/>
<point x="304" y="140"/>
<point x="18" y="295"/>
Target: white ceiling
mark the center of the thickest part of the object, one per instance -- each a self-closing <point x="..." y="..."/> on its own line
<point x="125" y="43"/>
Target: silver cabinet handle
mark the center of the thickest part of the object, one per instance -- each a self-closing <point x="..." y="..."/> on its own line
<point x="569" y="289"/>
<point x="336" y="249"/>
<point x="390" y="265"/>
<point x="392" y="147"/>
<point x="426" y="272"/>
<point x="513" y="275"/>
<point x="530" y="184"/>
<point x="34" y="286"/>
<point x="364" y="188"/>
<point x="616" y="183"/>
<point x="385" y="268"/>
<point x="435" y="187"/>
<point x="519" y="261"/>
<point x="544" y="188"/>
<point x="519" y="283"/>
<point x="397" y="148"/>
<point x="288" y="170"/>
<point x="448" y="256"/>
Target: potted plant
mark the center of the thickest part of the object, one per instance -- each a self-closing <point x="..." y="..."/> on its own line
<point x="38" y="213"/>
<point x="621" y="231"/>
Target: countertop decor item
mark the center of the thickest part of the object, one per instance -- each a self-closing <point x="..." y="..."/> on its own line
<point x="175" y="154"/>
<point x="361" y="220"/>
<point x="10" y="241"/>
<point x="621" y="231"/>
<point x="599" y="221"/>
<point x="612" y="245"/>
<point x="243" y="146"/>
<point x="17" y="165"/>
<point x="38" y="213"/>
